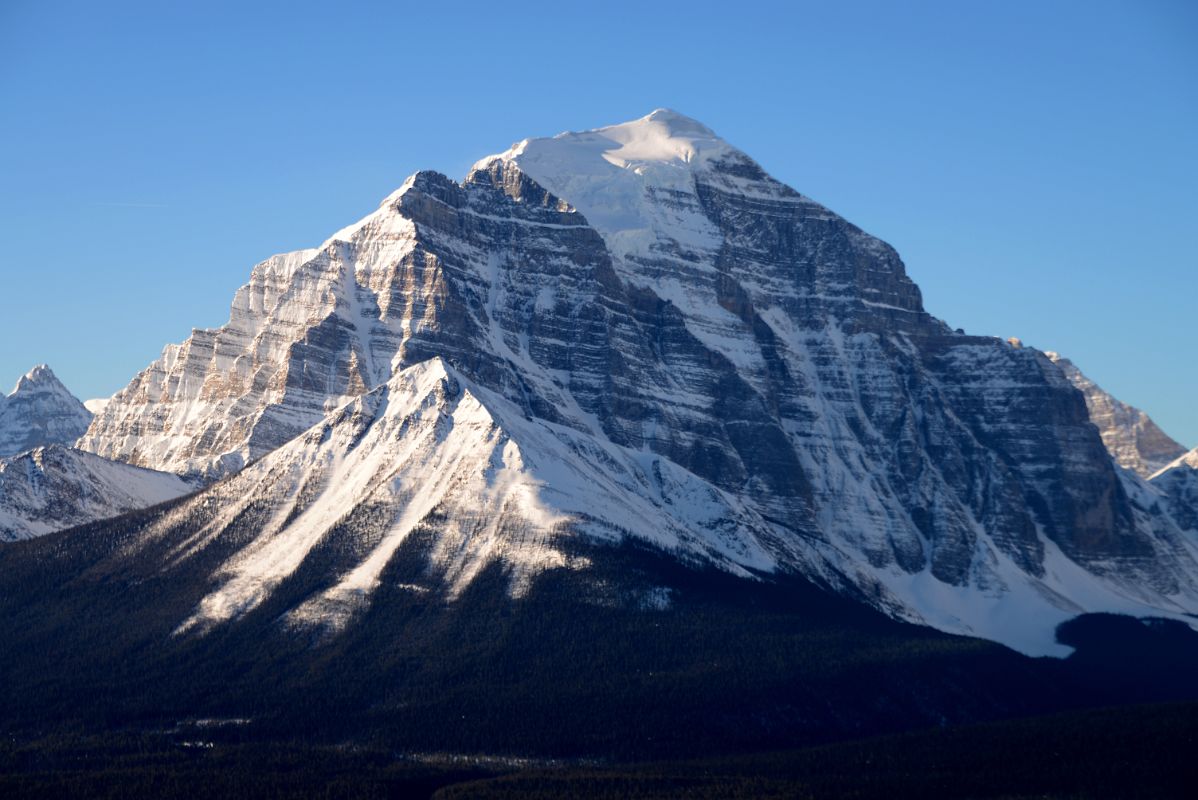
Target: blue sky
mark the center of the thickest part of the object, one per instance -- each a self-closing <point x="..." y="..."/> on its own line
<point x="1034" y="163"/>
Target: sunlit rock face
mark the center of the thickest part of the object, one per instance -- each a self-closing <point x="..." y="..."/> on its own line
<point x="1132" y="438"/>
<point x="658" y="341"/>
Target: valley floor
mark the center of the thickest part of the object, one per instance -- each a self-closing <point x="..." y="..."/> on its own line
<point x="1129" y="752"/>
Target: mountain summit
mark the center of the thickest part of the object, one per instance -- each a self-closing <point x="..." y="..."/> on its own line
<point x="40" y="411"/>
<point x="631" y="334"/>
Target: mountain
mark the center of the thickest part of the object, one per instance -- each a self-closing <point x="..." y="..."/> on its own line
<point x="617" y="449"/>
<point x="40" y="411"/>
<point x="676" y="349"/>
<point x="1132" y="438"/>
<point x="52" y="488"/>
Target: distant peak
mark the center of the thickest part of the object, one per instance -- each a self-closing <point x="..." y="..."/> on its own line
<point x="39" y="376"/>
<point x="427" y="373"/>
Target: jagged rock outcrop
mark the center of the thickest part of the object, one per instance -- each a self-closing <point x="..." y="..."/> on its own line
<point x="1132" y="438"/>
<point x="51" y="488"/>
<point x="40" y="411"/>
<point x="694" y="335"/>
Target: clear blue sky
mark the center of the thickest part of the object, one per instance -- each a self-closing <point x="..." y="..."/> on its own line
<point x="1036" y="164"/>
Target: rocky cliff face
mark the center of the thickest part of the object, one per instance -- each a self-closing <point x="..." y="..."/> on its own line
<point x="40" y="411"/>
<point x="712" y="362"/>
<point x="1132" y="438"/>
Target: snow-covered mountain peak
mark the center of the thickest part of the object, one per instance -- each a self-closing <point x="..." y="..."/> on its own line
<point x="647" y="186"/>
<point x="651" y="338"/>
<point x="677" y="122"/>
<point x="40" y="411"/>
<point x="40" y="377"/>
<point x="385" y="210"/>
<point x="662" y="136"/>
<point x="617" y="176"/>
<point x="423" y="445"/>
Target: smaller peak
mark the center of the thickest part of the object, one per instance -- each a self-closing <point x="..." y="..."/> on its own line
<point x="408" y="183"/>
<point x="510" y="154"/>
<point x="434" y="376"/>
<point x="427" y="180"/>
<point x="40" y="376"/>
<point x="435" y="368"/>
